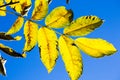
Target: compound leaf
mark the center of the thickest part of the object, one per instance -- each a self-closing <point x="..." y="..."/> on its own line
<point x="59" y="17"/>
<point x="40" y="9"/>
<point x="30" y="33"/>
<point x="16" y="26"/>
<point x="83" y="26"/>
<point x="71" y="57"/>
<point x="47" y="42"/>
<point x="95" y="47"/>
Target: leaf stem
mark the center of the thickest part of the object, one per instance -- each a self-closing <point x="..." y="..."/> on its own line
<point x="19" y="15"/>
<point x="11" y="3"/>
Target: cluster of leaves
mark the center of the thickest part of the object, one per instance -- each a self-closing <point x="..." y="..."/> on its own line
<point x="49" y="44"/>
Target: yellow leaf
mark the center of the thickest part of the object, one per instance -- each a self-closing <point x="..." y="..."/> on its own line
<point x="2" y="66"/>
<point x="21" y="6"/>
<point x="47" y="42"/>
<point x="25" y="6"/>
<point x="2" y="13"/>
<point x="9" y="51"/>
<point x="3" y="36"/>
<point x="83" y="26"/>
<point x="71" y="57"/>
<point x="40" y="9"/>
<point x="59" y="17"/>
<point x="16" y="26"/>
<point x="95" y="47"/>
<point x="30" y="33"/>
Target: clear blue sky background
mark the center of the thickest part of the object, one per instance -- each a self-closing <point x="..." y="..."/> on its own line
<point x="106" y="68"/>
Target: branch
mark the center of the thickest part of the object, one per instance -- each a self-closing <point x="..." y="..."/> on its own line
<point x="19" y="15"/>
<point x="9" y="4"/>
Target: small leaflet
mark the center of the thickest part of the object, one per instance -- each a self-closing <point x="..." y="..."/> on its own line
<point x="30" y="33"/>
<point x="10" y="51"/>
<point x="16" y="26"/>
<point x="95" y="47"/>
<point x="59" y="17"/>
<point x="2" y="13"/>
<point x="22" y="6"/>
<point x="3" y="36"/>
<point x="40" y="10"/>
<point x="83" y="26"/>
<point x="47" y="43"/>
<point x="71" y="57"/>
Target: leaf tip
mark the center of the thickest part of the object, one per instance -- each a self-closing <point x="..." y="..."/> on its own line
<point x="24" y="54"/>
<point x="49" y="71"/>
<point x="18" y="38"/>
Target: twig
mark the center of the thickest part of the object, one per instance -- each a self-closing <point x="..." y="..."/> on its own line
<point x="9" y="4"/>
<point x="16" y="14"/>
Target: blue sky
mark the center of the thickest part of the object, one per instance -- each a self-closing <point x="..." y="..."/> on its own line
<point x="106" y="68"/>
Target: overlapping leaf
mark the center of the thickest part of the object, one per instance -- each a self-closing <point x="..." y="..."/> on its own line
<point x="3" y="36"/>
<point x="83" y="26"/>
<point x="59" y="17"/>
<point x="40" y="10"/>
<point x="22" y="6"/>
<point x="47" y="42"/>
<point x="95" y="47"/>
<point x="2" y="13"/>
<point x="16" y="26"/>
<point x="10" y="51"/>
<point x="30" y="33"/>
<point x="2" y="66"/>
<point x="71" y="57"/>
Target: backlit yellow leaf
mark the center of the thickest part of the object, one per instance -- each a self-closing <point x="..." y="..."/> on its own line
<point x="3" y="36"/>
<point x="22" y="6"/>
<point x="71" y="57"/>
<point x="83" y="26"/>
<point x="30" y="33"/>
<point x="40" y="9"/>
<point x="95" y="47"/>
<point x="2" y="13"/>
<point x="59" y="17"/>
<point x="2" y="66"/>
<point x="47" y="42"/>
<point x="16" y="26"/>
<point x="10" y="51"/>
